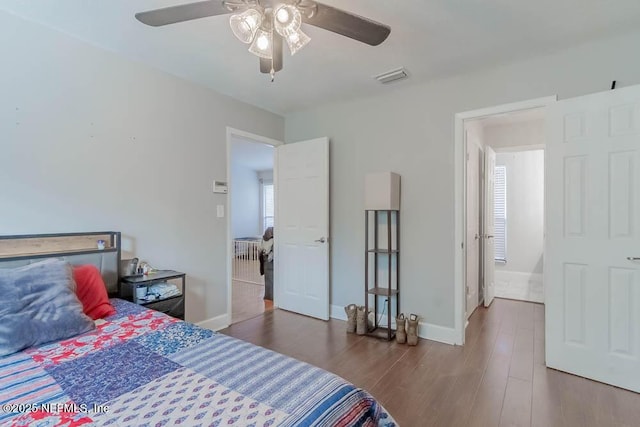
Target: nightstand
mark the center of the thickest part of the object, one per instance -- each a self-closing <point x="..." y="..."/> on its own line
<point x="173" y="305"/>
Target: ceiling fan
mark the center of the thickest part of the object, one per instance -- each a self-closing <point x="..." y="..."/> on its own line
<point x="266" y="24"/>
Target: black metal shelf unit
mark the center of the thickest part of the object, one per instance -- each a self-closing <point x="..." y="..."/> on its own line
<point x="382" y="250"/>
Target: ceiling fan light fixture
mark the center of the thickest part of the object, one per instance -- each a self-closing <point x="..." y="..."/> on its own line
<point x="262" y="44"/>
<point x="245" y="25"/>
<point x="287" y="19"/>
<point x="265" y="25"/>
<point x="282" y="15"/>
<point x="296" y="40"/>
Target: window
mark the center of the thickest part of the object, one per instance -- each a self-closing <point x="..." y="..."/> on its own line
<point x="267" y="205"/>
<point x="500" y="213"/>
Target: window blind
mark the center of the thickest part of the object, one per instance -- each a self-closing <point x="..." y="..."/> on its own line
<point x="500" y="213"/>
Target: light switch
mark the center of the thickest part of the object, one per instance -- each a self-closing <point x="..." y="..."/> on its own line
<point x="220" y="211"/>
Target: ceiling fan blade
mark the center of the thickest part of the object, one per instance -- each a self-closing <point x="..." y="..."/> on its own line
<point x="181" y="13"/>
<point x="265" y="64"/>
<point x="349" y="25"/>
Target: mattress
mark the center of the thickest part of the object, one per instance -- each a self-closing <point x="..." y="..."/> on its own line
<point x="143" y="368"/>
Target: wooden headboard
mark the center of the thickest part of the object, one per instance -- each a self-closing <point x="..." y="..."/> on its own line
<point x="76" y="248"/>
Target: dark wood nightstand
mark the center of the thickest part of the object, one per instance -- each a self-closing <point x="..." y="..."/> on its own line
<point x="173" y="305"/>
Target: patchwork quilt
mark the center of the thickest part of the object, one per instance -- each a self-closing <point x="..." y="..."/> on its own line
<point x="143" y="368"/>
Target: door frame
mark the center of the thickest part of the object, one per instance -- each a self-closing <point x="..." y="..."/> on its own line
<point x="258" y="139"/>
<point x="460" y="199"/>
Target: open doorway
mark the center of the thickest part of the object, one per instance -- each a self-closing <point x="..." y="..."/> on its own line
<point x="591" y="147"/>
<point x="251" y="214"/>
<point x="504" y="207"/>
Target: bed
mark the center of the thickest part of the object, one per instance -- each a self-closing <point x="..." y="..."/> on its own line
<point x="141" y="367"/>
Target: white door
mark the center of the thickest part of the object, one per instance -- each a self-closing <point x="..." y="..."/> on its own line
<point x="301" y="233"/>
<point x="474" y="157"/>
<point x="593" y="234"/>
<point x="489" y="229"/>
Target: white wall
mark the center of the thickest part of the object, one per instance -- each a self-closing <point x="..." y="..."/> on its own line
<point x="266" y="175"/>
<point x="508" y="136"/>
<point x="91" y="141"/>
<point x="408" y="128"/>
<point x="245" y="201"/>
<point x="525" y="210"/>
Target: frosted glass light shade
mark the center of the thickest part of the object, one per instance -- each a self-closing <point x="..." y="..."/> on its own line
<point x="245" y="25"/>
<point x="296" y="40"/>
<point x="287" y="19"/>
<point x="262" y="44"/>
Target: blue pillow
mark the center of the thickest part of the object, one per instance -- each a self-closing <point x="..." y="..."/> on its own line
<point x="38" y="304"/>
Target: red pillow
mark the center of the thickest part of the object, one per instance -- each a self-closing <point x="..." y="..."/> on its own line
<point x="92" y="292"/>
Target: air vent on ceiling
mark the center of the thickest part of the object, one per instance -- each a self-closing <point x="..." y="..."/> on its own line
<point x="392" y="76"/>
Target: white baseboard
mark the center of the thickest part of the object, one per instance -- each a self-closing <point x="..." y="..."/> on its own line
<point x="337" y="312"/>
<point x="425" y="330"/>
<point x="439" y="333"/>
<point x="519" y="285"/>
<point x="215" y="323"/>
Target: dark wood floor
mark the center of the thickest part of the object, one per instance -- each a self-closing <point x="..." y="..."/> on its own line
<point x="247" y="301"/>
<point x="497" y="378"/>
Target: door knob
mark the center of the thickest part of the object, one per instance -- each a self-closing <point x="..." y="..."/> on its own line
<point x="488" y="236"/>
<point x="321" y="240"/>
<point x="633" y="258"/>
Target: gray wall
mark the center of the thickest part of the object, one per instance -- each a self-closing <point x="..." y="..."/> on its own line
<point x="91" y="141"/>
<point x="245" y="202"/>
<point x="266" y="175"/>
<point x="408" y="128"/>
<point x="525" y="210"/>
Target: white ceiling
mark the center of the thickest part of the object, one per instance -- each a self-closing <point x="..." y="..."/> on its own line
<point x="252" y="155"/>
<point x="431" y="38"/>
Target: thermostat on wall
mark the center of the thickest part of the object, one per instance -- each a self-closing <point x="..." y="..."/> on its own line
<point x="220" y="187"/>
